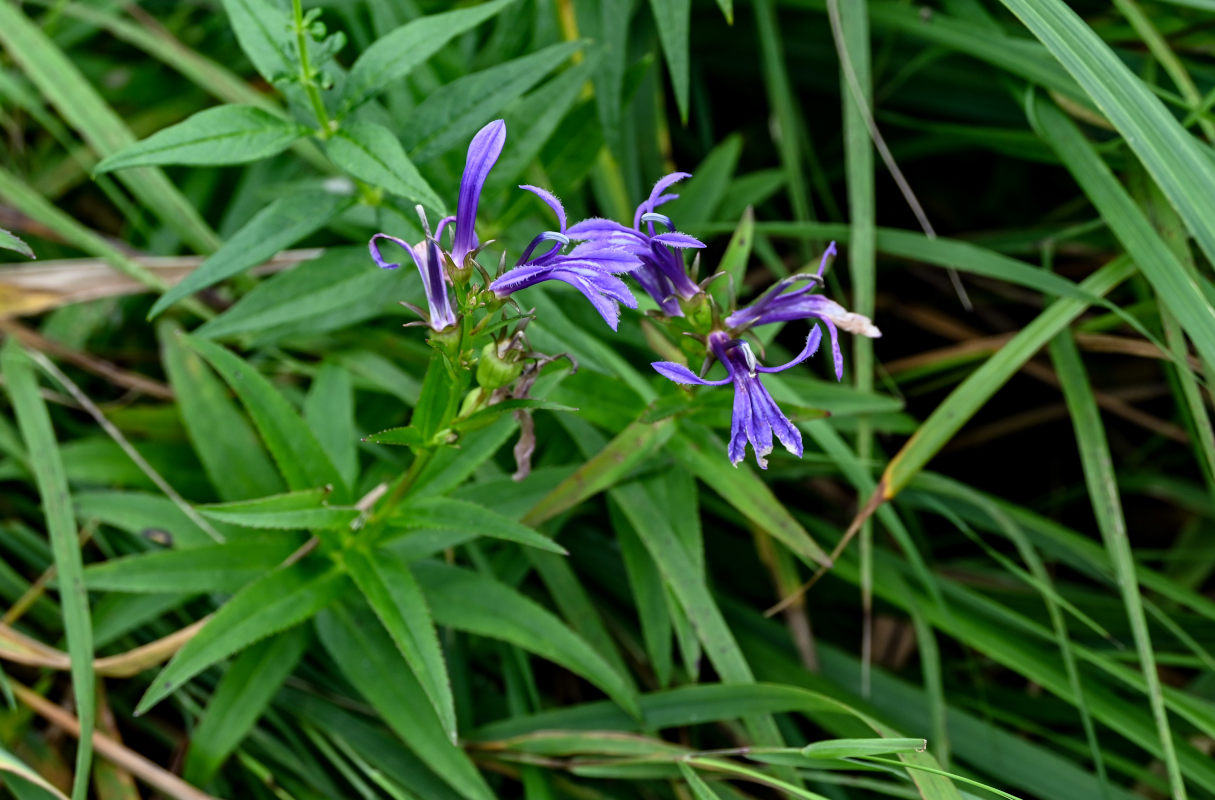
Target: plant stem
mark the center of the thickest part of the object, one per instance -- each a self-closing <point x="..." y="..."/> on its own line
<point x="307" y="75"/>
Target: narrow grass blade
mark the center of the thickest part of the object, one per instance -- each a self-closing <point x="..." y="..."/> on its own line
<point x="62" y="84"/>
<point x="671" y="17"/>
<point x="1107" y="507"/>
<point x="981" y="384"/>
<point x="10" y="242"/>
<point x="1171" y="155"/>
<point x="12" y="765"/>
<point x="1168" y="277"/>
<point x="35" y="425"/>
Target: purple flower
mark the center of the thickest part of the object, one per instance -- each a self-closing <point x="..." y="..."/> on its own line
<point x="590" y="267"/>
<point x="756" y="416"/>
<point x="426" y="256"/>
<point x="483" y="152"/>
<point x="662" y="273"/>
<point x="777" y="305"/>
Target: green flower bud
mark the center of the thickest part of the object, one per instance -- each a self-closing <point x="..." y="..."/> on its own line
<point x="494" y="371"/>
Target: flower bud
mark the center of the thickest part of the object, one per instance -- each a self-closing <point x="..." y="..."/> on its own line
<point x="495" y="371"/>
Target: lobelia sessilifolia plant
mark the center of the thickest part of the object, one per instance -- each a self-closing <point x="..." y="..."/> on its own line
<point x="480" y="334"/>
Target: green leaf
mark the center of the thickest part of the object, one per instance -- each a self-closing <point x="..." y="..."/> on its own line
<point x="700" y="789"/>
<point x="373" y="154"/>
<point x="276" y="227"/>
<point x="264" y="33"/>
<point x="603" y="470"/>
<point x="143" y="514"/>
<point x="394" y="596"/>
<point x="1102" y="486"/>
<point x="299" y="456"/>
<point x="672" y="17"/>
<point x="230" y="134"/>
<point x="1177" y="162"/>
<point x="217" y="568"/>
<point x="702" y="453"/>
<point x="12" y="765"/>
<point x="406" y="436"/>
<point x="10" y="242"/>
<point x="234" y="459"/>
<point x="341" y="279"/>
<point x="981" y="384"/>
<point x="449" y="514"/>
<point x="394" y="55"/>
<point x="487" y="416"/>
<point x="357" y="641"/>
<point x="329" y="412"/>
<point x="449" y="116"/>
<point x="303" y="509"/>
<point x="481" y="605"/>
<point x="1169" y="278"/>
<point x="856" y="748"/>
<point x="39" y="436"/>
<point x="241" y="697"/>
<point x="275" y="602"/>
<point x="64" y="87"/>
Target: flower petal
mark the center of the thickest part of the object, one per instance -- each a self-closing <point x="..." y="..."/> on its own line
<point x="483" y="152"/>
<point x="382" y="262"/>
<point x="652" y="201"/>
<point x="681" y="374"/>
<point x="677" y="239"/>
<point x="552" y="201"/>
<point x="812" y="342"/>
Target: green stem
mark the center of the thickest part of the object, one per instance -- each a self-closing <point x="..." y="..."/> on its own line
<point x="307" y="75"/>
<point x="398" y="492"/>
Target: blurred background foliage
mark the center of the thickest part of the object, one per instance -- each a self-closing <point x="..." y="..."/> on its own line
<point x="1034" y="599"/>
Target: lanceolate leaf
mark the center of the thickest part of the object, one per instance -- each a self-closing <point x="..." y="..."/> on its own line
<point x="366" y="655"/>
<point x="217" y="568"/>
<point x="284" y="598"/>
<point x="393" y="56"/>
<point x="300" y="457"/>
<point x="481" y="605"/>
<point x="263" y="30"/>
<point x="392" y="592"/>
<point x="449" y="514"/>
<point x="277" y="226"/>
<point x="225" y="135"/>
<point x="372" y="153"/>
<point x="448" y="117"/>
<point x="10" y="242"/>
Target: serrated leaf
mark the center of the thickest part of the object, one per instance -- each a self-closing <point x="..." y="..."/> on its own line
<point x="299" y="456"/>
<point x="284" y="598"/>
<point x="341" y="278"/>
<point x="10" y="242"/>
<point x="372" y="153"/>
<point x="446" y="513"/>
<point x="217" y="568"/>
<point x="231" y="134"/>
<point x="394" y="596"/>
<point x="143" y="514"/>
<point x="406" y="436"/>
<point x="276" y="227"/>
<point x="290" y="511"/>
<point x="449" y="116"/>
<point x="264" y="33"/>
<point x="366" y="655"/>
<point x="240" y="699"/>
<point x="394" y="55"/>
<point x="226" y="444"/>
<point x="478" y="604"/>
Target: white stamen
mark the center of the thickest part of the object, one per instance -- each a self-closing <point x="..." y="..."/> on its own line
<point x="748" y="357"/>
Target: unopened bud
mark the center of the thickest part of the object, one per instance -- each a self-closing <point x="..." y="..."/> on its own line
<point x="494" y="371"/>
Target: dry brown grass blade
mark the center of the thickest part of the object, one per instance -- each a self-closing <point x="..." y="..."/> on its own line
<point x="35" y="288"/>
<point x="21" y="649"/>
<point x="158" y="778"/>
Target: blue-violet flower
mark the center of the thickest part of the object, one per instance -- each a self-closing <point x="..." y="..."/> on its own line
<point x="777" y="305"/>
<point x="662" y="273"/>
<point x="756" y="416"/>
<point x="591" y="267"/>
